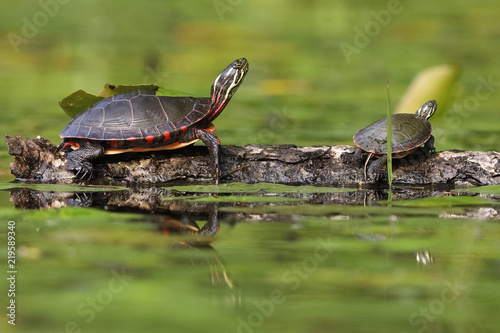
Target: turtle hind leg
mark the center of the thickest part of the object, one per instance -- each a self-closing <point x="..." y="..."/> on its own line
<point x="375" y="168"/>
<point x="79" y="160"/>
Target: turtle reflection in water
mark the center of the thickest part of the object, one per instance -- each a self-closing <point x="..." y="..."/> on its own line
<point x="141" y="121"/>
<point x="409" y="132"/>
<point x="199" y="239"/>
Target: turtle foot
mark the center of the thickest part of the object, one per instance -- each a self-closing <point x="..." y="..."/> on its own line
<point x="375" y="169"/>
<point x="78" y="160"/>
<point x="81" y="169"/>
<point x="354" y="159"/>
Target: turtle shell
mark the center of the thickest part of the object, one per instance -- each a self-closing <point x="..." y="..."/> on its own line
<point x="408" y="132"/>
<point x="137" y="119"/>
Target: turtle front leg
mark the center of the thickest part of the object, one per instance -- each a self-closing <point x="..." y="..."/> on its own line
<point x="355" y="158"/>
<point x="213" y="144"/>
<point x="429" y="145"/>
<point x="79" y="160"/>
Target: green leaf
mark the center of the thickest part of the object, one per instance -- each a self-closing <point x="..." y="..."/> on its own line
<point x="234" y="198"/>
<point x="77" y="102"/>
<point x="111" y="89"/>
<point x="323" y="210"/>
<point x="169" y="92"/>
<point x="492" y="189"/>
<point x="454" y="201"/>
<point x="81" y="100"/>
<point x="438" y="82"/>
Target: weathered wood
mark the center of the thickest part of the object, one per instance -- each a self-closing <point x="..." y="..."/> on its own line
<point x="39" y="160"/>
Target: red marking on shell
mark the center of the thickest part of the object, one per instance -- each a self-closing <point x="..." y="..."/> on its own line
<point x="131" y="139"/>
<point x="167" y="136"/>
<point x="149" y="139"/>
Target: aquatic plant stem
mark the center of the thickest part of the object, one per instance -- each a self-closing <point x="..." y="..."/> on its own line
<point x="389" y="137"/>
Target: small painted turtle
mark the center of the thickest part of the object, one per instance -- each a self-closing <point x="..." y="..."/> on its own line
<point x="409" y="132"/>
<point x="141" y="121"/>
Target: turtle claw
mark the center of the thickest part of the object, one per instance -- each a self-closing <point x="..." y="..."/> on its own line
<point x="78" y="160"/>
<point x="82" y="173"/>
<point x="429" y="145"/>
<point x="85" y="174"/>
<point x="82" y="170"/>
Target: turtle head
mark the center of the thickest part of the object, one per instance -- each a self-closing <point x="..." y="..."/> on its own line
<point x="225" y="85"/>
<point x="427" y="110"/>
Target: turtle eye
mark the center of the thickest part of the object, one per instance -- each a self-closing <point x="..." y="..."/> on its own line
<point x="239" y="64"/>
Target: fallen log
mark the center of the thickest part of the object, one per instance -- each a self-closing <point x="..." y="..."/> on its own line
<point x="40" y="161"/>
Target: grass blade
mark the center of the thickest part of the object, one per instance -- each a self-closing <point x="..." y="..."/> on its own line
<point x="389" y="138"/>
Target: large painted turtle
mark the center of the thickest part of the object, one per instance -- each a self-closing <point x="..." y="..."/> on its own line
<point x="141" y="121"/>
<point x="409" y="132"/>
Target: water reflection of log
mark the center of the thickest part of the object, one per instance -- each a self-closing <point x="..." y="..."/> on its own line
<point x="178" y="222"/>
<point x="162" y="201"/>
<point x="159" y="200"/>
<point x="39" y="160"/>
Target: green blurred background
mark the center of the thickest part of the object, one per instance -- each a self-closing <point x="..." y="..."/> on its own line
<point x="302" y="87"/>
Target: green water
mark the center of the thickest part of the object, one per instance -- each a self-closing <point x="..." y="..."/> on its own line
<point x="422" y="265"/>
<point x="309" y="263"/>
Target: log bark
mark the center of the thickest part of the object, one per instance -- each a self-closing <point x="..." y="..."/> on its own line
<point x="40" y="161"/>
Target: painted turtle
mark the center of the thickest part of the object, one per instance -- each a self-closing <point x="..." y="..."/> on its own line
<point x="409" y="132"/>
<point x="141" y="121"/>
